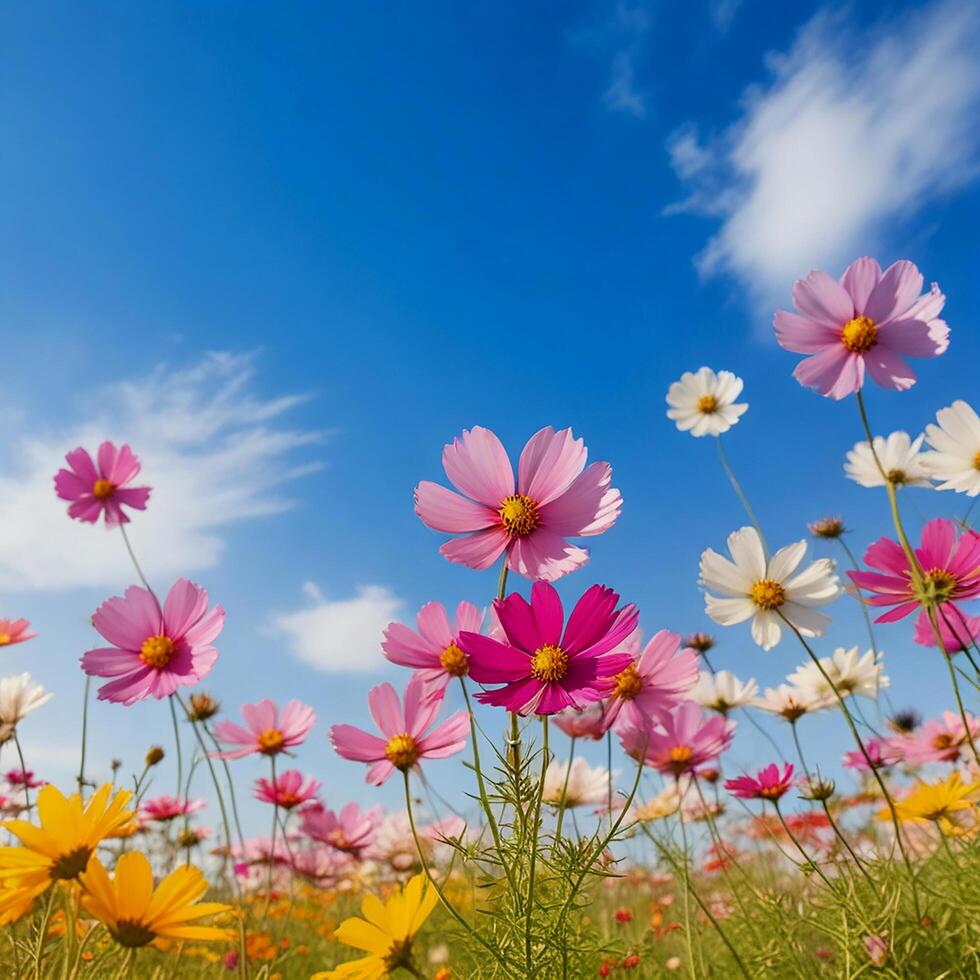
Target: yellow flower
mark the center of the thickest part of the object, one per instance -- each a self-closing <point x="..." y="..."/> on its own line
<point x="59" y="849"/>
<point x="136" y="913"/>
<point x="937" y="801"/>
<point x="386" y="932"/>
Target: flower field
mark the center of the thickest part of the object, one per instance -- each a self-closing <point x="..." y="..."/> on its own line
<point x="684" y="862"/>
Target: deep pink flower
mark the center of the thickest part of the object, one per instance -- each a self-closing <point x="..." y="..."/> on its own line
<point x="405" y="740"/>
<point x="939" y="741"/>
<point x="163" y="809"/>
<point x="434" y="650"/>
<point x="647" y="688"/>
<point x="766" y="784"/>
<point x="349" y="831"/>
<point x="103" y="488"/>
<point x="288" y="791"/>
<point x="556" y="497"/>
<point x="25" y="778"/>
<point x="951" y="568"/>
<point x="268" y="730"/>
<point x="542" y="670"/>
<point x="684" y="742"/>
<point x="154" y="651"/>
<point x="14" y="631"/>
<point x="958" y="630"/>
<point x="883" y="752"/>
<point x="867" y="321"/>
<point x="587" y="722"/>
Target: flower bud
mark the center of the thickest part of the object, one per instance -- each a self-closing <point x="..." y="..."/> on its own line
<point x="828" y="527"/>
<point x="154" y="756"/>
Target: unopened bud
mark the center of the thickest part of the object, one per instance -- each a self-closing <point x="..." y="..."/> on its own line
<point x="154" y="756"/>
<point x="203" y="706"/>
<point x="828" y="527"/>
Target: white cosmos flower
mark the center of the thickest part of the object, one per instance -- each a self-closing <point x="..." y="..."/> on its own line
<point x="722" y="691"/>
<point x="788" y="701"/>
<point x="703" y="403"/>
<point x="956" y="441"/>
<point x="586" y="785"/>
<point x="850" y="671"/>
<point x="900" y="458"/>
<point x="764" y="591"/>
<point x="19" y="696"/>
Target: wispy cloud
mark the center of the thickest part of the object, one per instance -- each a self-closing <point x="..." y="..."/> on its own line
<point x="214" y="452"/>
<point x="341" y="635"/>
<point x="722" y="12"/>
<point x="854" y="132"/>
<point x="622" y="95"/>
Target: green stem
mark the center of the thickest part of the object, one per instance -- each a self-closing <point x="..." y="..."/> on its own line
<point x="180" y="758"/>
<point x="564" y="790"/>
<point x="806" y="857"/>
<point x="844" y="841"/>
<point x="231" y="786"/>
<point x="741" y="495"/>
<point x="23" y="769"/>
<point x="81" y="765"/>
<point x="535" y="826"/>
<point x="931" y="613"/>
<point x="272" y="842"/>
<point x="688" y="939"/>
<point x="799" y="750"/>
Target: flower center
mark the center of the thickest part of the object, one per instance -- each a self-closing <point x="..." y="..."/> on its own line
<point x="679" y="757"/>
<point x="896" y="477"/>
<point x="402" y="752"/>
<point x="156" y="651"/>
<point x="707" y="404"/>
<point x="628" y="683"/>
<point x="519" y="515"/>
<point x="939" y="584"/>
<point x="270" y="741"/>
<point x="70" y="865"/>
<point x="4" y="639"/>
<point x="454" y="661"/>
<point x="288" y="799"/>
<point x="771" y="792"/>
<point x="976" y="461"/>
<point x="400" y="954"/>
<point x="102" y="489"/>
<point x="549" y="663"/>
<point x="859" y="335"/>
<point x="943" y="741"/>
<point x="767" y="594"/>
<point x="132" y="934"/>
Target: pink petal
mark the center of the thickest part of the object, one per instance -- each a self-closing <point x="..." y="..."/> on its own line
<point x="356" y="745"/>
<point x="823" y="299"/>
<point x="895" y="293"/>
<point x="129" y="688"/>
<point x="491" y="662"/>
<point x="468" y="617"/>
<point x="802" y="335"/>
<point x="80" y="461"/>
<point x="545" y="554"/>
<point x="549" y="616"/>
<point x="261" y="716"/>
<point x="406" y="648"/>
<point x="887" y="555"/>
<point x="228" y="731"/>
<point x="135" y="497"/>
<point x="110" y="662"/>
<point x="433" y="625"/>
<point x="125" y="468"/>
<point x="444" y="510"/>
<point x="549" y="463"/>
<point x="127" y="621"/>
<point x="479" y="550"/>
<point x="420" y="708"/>
<point x="589" y="506"/>
<point x="379" y="773"/>
<point x="448" y="738"/>
<point x="938" y="537"/>
<point x="914" y="338"/>
<point x="477" y="465"/>
<point x="107" y="460"/>
<point x="70" y="486"/>
<point x="516" y="619"/>
<point x="590" y="619"/>
<point x="860" y="279"/>
<point x="520" y="697"/>
<point x="386" y="710"/>
<point x="87" y="509"/>
<point x="207" y="629"/>
<point x="185" y="604"/>
<point x="554" y="698"/>
<point x="888" y="369"/>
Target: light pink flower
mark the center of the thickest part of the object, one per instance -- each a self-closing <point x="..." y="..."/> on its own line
<point x="434" y="650"/>
<point x="877" y="949"/>
<point x="587" y="722"/>
<point x="101" y="489"/>
<point x="958" y="630"/>
<point x="883" y="753"/>
<point x="869" y="321"/>
<point x="288" y="791"/>
<point x="767" y="784"/>
<point x="154" y="651"/>
<point x="349" y="831"/>
<point x="268" y="730"/>
<point x="684" y="742"/>
<point x="406" y="740"/>
<point x="556" y="497"/>
<point x="163" y="809"/>
<point x="14" y="631"/>
<point x="939" y="741"/>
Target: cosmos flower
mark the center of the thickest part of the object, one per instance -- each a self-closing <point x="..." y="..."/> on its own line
<point x="19" y="696"/>
<point x="163" y="809"/>
<point x="14" y="631"/>
<point x="900" y="458"/>
<point x="850" y="671"/>
<point x="104" y="488"/>
<point x="767" y="784"/>
<point x="666" y="803"/>
<point x="869" y="321"/>
<point x="587" y="722"/>
<point x="405" y="729"/>
<point x="351" y="830"/>
<point x="939" y="740"/>
<point x="154" y="651"/>
<point x="764" y="590"/>
<point x="268" y="730"/>
<point x="723" y="691"/>
<point x="288" y="791"/>
<point x="958" y="631"/>
<point x="686" y="740"/>
<point x="883" y="753"/>
<point x="434" y="649"/>
<point x="877" y="949"/>
<point x="579" y="783"/>
<point x="788" y="701"/>
<point x="542" y="670"/>
<point x="956" y="449"/>
<point x="828" y="528"/>
<point x="703" y="403"/>
<point x="556" y="497"/>
<point x="25" y="778"/>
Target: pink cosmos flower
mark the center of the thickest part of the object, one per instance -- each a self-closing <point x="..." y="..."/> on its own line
<point x="556" y="497"/>
<point x="154" y="651"/>
<point x="166" y="808"/>
<point x="767" y="784"/>
<point x="542" y="670"/>
<point x="883" y="753"/>
<point x="647" y="688"/>
<point x="867" y="321"/>
<point x="684" y="741"/>
<point x="405" y="740"/>
<point x="940" y="741"/>
<point x="268" y="730"/>
<point x="288" y="791"/>
<point x="958" y="630"/>
<point x="587" y="722"/>
<point x="14" y="631"/>
<point x="101" y="489"/>
<point x="25" y="778"/>
<point x="349" y="831"/>
<point x="434" y="650"/>
<point x="951" y="569"/>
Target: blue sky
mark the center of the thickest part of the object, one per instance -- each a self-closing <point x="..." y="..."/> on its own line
<point x="391" y="223"/>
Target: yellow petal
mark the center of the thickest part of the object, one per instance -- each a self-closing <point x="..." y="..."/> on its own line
<point x="362" y="935"/>
<point x="133" y="886"/>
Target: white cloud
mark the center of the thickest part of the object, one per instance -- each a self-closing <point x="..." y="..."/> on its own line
<point x="621" y="94"/>
<point x="341" y="635"/>
<point x="214" y="453"/>
<point x="722" y="12"/>
<point x="854" y="132"/>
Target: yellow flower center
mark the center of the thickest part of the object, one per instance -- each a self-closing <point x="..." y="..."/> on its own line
<point x="270" y="741"/>
<point x="681" y="753"/>
<point x="102" y="489"/>
<point x="939" y="584"/>
<point x="338" y="839"/>
<point x="707" y="404"/>
<point x="131" y="934"/>
<point x="156" y="651"/>
<point x="896" y="477"/>
<point x="628" y="684"/>
<point x="976" y="461"/>
<point x="767" y="594"/>
<point x="943" y="741"/>
<point x="70" y="865"/>
<point x="402" y="752"/>
<point x="549" y="663"/>
<point x="771" y="792"/>
<point x="4" y="639"/>
<point x="519" y="515"/>
<point x="454" y="661"/>
<point x="859" y="335"/>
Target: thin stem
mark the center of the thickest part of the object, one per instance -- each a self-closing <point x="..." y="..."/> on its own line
<point x="231" y="785"/>
<point x="741" y="494"/>
<point x="180" y="758"/>
<point x="758" y="727"/>
<point x="806" y="857"/>
<point x="139" y="570"/>
<point x="23" y="770"/>
<point x="272" y="841"/>
<point x="564" y="790"/>
<point x="609" y="779"/>
<point x="844" y="841"/>
<point x="42" y="932"/>
<point x="931" y="613"/>
<point x="81" y="764"/>
<point x="534" y="847"/>
<point x="799" y="750"/>
<point x="687" y="892"/>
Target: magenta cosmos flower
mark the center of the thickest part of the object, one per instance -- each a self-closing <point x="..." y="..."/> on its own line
<point x="350" y="831"/>
<point x="950" y="566"/>
<point x="103" y="487"/>
<point x="542" y="669"/>
<point x="163" y="809"/>
<point x="869" y="321"/>
<point x="767" y="784"/>
<point x="556" y="497"/>
<point x="405" y="730"/>
<point x="433" y="650"/>
<point x="646" y="690"/>
<point x="267" y="731"/>
<point x="958" y="630"/>
<point x="683" y="742"/>
<point x="154" y="651"/>
<point x="883" y="753"/>
<point x="14" y="631"/>
<point x="288" y="790"/>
